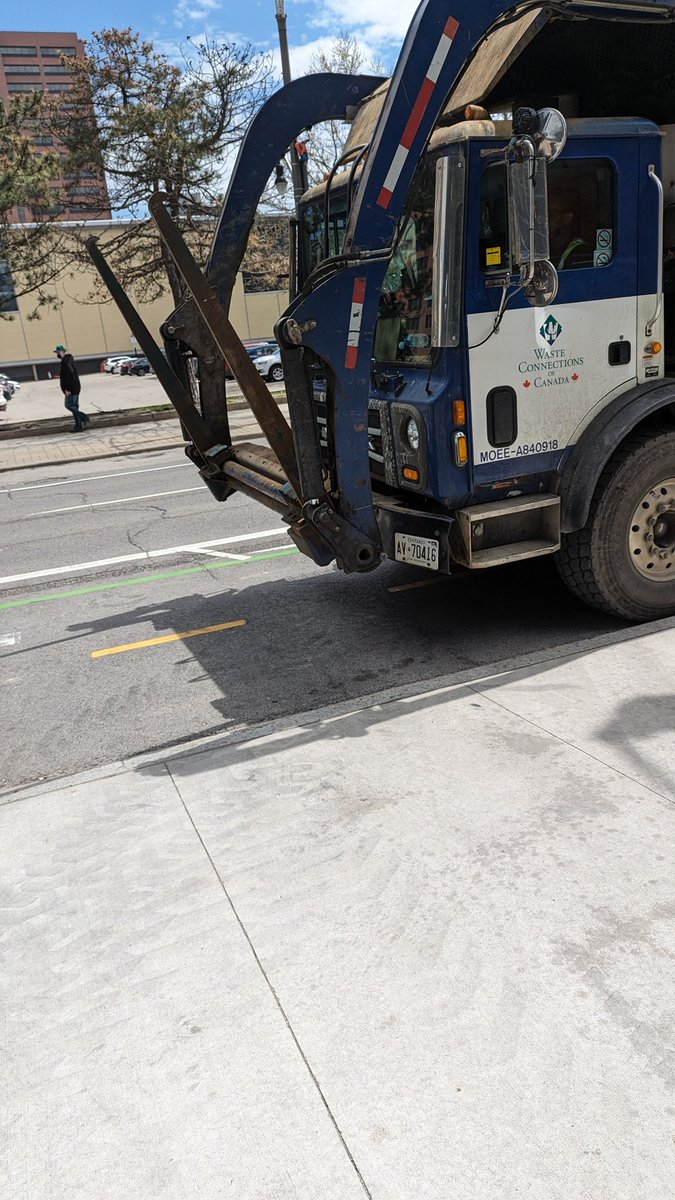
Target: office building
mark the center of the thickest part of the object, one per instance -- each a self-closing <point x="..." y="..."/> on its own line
<point x="32" y="62"/>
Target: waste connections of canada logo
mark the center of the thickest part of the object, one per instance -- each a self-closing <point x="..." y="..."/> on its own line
<point x="551" y="330"/>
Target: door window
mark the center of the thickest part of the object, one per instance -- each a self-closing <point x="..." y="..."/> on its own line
<point x="581" y="213"/>
<point x="494" y="221"/>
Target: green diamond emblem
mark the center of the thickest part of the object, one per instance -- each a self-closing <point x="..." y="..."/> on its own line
<point x="551" y="329"/>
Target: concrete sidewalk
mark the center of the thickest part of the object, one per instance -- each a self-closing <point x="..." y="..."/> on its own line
<point x="57" y="449"/>
<point x="415" y="951"/>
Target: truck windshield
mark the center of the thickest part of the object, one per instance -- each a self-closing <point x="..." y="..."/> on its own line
<point x="403" y="331"/>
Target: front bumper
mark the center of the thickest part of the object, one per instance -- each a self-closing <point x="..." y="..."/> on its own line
<point x="393" y="517"/>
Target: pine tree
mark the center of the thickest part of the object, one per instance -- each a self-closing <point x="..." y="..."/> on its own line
<point x="31" y="252"/>
<point x="155" y="125"/>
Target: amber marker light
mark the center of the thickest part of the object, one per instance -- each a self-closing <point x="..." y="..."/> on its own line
<point x="460" y="449"/>
<point x="458" y="412"/>
<point x="411" y="474"/>
<point x="656" y="347"/>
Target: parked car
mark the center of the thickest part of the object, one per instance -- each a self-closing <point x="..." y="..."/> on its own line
<point x="9" y="384"/>
<point x="136" y="366"/>
<point x="268" y="364"/>
<point x="108" y="365"/>
<point x="116" y="368"/>
<point x="254" y="346"/>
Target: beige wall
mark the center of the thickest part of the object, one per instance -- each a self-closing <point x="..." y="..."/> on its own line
<point x="98" y="329"/>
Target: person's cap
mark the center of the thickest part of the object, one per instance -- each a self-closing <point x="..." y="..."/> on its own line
<point x="57" y="348"/>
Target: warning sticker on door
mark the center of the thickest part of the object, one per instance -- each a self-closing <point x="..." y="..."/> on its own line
<point x="603" y="252"/>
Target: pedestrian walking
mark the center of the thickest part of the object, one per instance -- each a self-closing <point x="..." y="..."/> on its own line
<point x="70" y="386"/>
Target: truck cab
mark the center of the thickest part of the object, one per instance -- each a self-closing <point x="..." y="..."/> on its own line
<point x="466" y="411"/>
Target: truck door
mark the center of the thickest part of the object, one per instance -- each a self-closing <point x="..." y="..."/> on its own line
<point x="535" y="382"/>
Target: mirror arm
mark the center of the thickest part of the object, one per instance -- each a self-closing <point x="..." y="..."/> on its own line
<point x="527" y="145"/>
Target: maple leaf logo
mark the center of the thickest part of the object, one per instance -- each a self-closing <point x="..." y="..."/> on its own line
<point x="527" y="383"/>
<point x="575" y="377"/>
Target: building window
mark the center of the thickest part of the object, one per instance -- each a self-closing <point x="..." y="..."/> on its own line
<point x="43" y="141"/>
<point x="24" y="87"/>
<point x="58" y="87"/>
<point x="21" y="69"/>
<point x="8" y="301"/>
<point x="54" y="51"/>
<point x="56" y="70"/>
<point x="23" y="51"/>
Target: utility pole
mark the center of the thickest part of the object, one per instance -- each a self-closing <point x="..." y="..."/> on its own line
<point x="298" y="168"/>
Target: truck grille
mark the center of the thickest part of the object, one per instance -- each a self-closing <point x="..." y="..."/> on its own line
<point x="321" y="410"/>
<point x="375" y="437"/>
<point x="375" y="446"/>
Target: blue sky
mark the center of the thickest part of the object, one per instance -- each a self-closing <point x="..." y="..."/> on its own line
<point x="378" y="25"/>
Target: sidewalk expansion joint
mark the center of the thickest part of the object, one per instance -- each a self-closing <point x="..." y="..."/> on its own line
<point x="272" y="990"/>
<point x="571" y="745"/>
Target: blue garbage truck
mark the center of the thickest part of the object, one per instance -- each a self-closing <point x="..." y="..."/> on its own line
<point x="479" y="346"/>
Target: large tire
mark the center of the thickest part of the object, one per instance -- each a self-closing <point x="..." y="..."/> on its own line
<point x="623" y="560"/>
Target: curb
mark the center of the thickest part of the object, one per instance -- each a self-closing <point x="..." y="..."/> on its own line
<point x="177" y="443"/>
<point x="82" y="458"/>
<point x="435" y="685"/>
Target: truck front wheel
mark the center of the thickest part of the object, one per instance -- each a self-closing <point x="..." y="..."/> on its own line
<point x="623" y="560"/>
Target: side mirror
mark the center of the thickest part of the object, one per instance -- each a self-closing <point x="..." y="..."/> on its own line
<point x="538" y="138"/>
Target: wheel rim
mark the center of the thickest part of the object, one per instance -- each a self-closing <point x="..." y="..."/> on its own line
<point x="651" y="540"/>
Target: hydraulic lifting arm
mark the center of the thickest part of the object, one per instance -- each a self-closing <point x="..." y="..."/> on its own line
<point x="329" y="327"/>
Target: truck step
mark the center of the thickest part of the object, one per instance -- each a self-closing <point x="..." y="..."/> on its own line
<point x="505" y="531"/>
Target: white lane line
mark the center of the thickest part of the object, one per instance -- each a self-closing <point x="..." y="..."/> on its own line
<point x="32" y="487"/>
<point x="226" y="554"/>
<point x="193" y="548"/>
<point x="48" y="512"/>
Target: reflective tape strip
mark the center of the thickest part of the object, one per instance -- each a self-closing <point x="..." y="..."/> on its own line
<point x="356" y="313"/>
<point x="418" y="111"/>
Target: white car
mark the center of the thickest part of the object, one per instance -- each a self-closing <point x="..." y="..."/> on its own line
<point x="10" y="384"/>
<point x="269" y="365"/>
<point x="111" y="365"/>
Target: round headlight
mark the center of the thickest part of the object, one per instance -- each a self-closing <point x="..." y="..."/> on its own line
<point x="412" y="434"/>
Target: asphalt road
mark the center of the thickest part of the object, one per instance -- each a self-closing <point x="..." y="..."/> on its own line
<point x="101" y="557"/>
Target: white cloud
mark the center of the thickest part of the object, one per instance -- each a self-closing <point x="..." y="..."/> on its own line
<point x="194" y="10"/>
<point x="302" y="55"/>
<point x="381" y="25"/>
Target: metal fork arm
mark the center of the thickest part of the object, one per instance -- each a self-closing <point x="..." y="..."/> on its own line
<point x="265" y="408"/>
<point x="202" y="436"/>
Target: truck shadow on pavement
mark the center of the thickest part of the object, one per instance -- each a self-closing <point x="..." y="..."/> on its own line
<point x="325" y="640"/>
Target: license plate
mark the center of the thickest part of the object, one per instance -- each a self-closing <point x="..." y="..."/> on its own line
<point x="422" y="552"/>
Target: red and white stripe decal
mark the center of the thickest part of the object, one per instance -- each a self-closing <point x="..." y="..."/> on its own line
<point x="419" y="109"/>
<point x="358" y="297"/>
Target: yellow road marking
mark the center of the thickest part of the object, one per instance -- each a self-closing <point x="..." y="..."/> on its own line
<point x="169" y="637"/>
